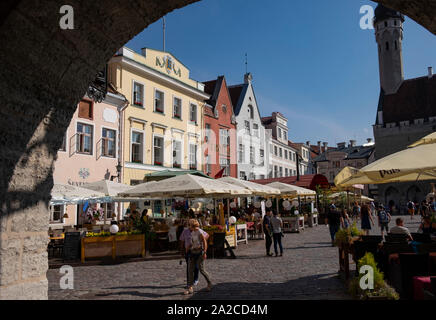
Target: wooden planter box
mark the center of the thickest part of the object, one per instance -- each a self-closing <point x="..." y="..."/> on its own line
<point x="113" y="246"/>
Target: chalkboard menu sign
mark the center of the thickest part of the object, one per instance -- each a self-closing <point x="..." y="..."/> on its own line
<point x="72" y="246"/>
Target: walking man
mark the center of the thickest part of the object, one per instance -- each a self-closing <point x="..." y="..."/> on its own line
<point x="334" y="222"/>
<point x="277" y="224"/>
<point x="411" y="209"/>
<point x="267" y="230"/>
<point x="383" y="219"/>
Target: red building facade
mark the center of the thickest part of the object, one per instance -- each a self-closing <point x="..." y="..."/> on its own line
<point x="220" y="131"/>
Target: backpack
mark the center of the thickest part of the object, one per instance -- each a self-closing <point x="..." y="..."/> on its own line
<point x="383" y="216"/>
<point x="410" y="205"/>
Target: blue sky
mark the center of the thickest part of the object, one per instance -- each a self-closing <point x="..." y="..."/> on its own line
<point x="310" y="59"/>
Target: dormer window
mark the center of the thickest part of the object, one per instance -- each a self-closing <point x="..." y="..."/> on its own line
<point x="250" y="111"/>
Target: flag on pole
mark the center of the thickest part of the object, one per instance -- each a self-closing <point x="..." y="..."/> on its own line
<point x="220" y="173"/>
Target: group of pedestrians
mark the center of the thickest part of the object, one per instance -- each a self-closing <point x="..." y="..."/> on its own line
<point x="424" y="209"/>
<point x="272" y="228"/>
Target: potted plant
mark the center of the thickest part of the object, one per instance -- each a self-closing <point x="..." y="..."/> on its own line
<point x="381" y="290"/>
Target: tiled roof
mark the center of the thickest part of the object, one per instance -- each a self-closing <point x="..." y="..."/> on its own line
<point x="357" y="152"/>
<point x="415" y="99"/>
<point x="266" y="120"/>
<point x="235" y="94"/>
<point x="306" y="181"/>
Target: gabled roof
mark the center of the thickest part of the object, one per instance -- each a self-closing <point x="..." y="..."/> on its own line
<point x="237" y="94"/>
<point x="415" y="99"/>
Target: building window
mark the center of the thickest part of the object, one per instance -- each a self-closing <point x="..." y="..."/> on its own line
<point x="247" y="127"/>
<point x="224" y="137"/>
<point x="137" y="147"/>
<point x="208" y="165"/>
<point x="159" y="101"/>
<point x="336" y="164"/>
<point x="64" y="143"/>
<point x="252" y="176"/>
<point x="242" y="175"/>
<point x="241" y="153"/>
<point x="275" y="151"/>
<point x="285" y="135"/>
<point x="276" y="172"/>
<point x="177" y="108"/>
<point x="281" y="152"/>
<point x="110" y="206"/>
<point x="108" y="143"/>
<point x="84" y="138"/>
<point x="207" y="133"/>
<point x="193" y="156"/>
<point x="177" y="154"/>
<point x="225" y="164"/>
<point x="286" y="172"/>
<point x="56" y="214"/>
<point x="262" y="157"/>
<point x="193" y="113"/>
<point x="250" y="111"/>
<point x="224" y="108"/>
<point x="281" y="172"/>
<point x="255" y="129"/>
<point x="286" y="154"/>
<point x="138" y="94"/>
<point x="158" y="147"/>
<point x="252" y="155"/>
<point x="86" y="109"/>
<point x="280" y="132"/>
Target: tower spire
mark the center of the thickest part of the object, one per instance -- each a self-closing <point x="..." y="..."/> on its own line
<point x="246" y="63"/>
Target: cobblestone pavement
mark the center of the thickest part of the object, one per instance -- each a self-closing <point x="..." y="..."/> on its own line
<point x="308" y="270"/>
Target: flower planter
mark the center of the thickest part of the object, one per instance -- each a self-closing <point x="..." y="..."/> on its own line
<point x="113" y="246"/>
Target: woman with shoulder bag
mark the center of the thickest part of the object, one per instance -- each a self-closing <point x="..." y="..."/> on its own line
<point x="197" y="254"/>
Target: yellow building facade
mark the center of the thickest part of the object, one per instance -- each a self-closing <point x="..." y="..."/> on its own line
<point x="162" y="126"/>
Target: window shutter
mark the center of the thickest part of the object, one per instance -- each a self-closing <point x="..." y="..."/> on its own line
<point x="85" y="109"/>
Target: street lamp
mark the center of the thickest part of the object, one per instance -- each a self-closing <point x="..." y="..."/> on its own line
<point x="118" y="167"/>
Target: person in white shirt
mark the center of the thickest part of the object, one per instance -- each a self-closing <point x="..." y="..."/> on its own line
<point x="277" y="224"/>
<point x="401" y="229"/>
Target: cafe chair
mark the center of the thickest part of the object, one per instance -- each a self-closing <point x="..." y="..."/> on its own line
<point x="218" y="244"/>
<point x="376" y="239"/>
<point x="421" y="237"/>
<point x="412" y="265"/>
<point x="396" y="238"/>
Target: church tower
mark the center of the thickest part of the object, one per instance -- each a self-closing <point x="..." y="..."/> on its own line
<point x="388" y="25"/>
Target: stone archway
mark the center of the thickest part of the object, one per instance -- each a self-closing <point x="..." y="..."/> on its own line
<point x="45" y="71"/>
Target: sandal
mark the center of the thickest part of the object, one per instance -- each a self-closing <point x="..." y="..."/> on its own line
<point x="189" y="291"/>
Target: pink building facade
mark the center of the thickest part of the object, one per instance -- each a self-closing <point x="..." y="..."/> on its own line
<point x="90" y="153"/>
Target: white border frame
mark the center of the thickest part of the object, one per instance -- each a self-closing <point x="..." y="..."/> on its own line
<point x="94" y="148"/>
<point x="143" y="144"/>
<point x="154" y="100"/>
<point x="116" y="142"/>
<point x="181" y="107"/>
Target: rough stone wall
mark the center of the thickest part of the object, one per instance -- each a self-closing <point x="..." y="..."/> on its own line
<point x="422" y="11"/>
<point x="45" y="71"/>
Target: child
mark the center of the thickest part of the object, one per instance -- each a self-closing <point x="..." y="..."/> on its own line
<point x="383" y="219"/>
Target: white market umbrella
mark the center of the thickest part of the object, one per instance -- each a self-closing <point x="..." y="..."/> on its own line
<point x="187" y="186"/>
<point x="255" y="188"/>
<point x="109" y="188"/>
<point x="291" y="190"/>
<point x="67" y="194"/>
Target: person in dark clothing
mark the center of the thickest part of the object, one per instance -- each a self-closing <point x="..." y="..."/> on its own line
<point x="267" y="229"/>
<point x="334" y="222"/>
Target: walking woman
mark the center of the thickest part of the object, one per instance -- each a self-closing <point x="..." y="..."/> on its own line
<point x="366" y="218"/>
<point x="196" y="250"/>
<point x="277" y="224"/>
<point x="345" y="219"/>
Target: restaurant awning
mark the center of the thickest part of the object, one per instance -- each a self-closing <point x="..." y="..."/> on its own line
<point x="291" y="190"/>
<point x="62" y="194"/>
